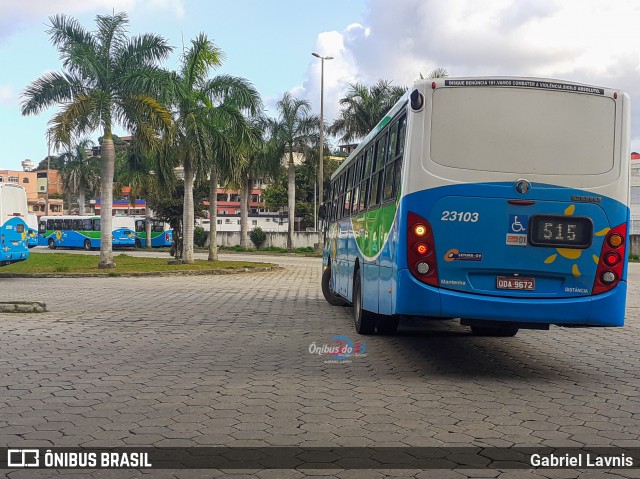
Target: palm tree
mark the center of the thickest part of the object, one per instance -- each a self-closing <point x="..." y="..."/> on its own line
<point x="80" y="172"/>
<point x="363" y="108"/>
<point x="293" y="130"/>
<point x="202" y="121"/>
<point x="108" y="79"/>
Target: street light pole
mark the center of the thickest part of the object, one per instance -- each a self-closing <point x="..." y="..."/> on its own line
<point x="46" y="201"/>
<point x="321" y="159"/>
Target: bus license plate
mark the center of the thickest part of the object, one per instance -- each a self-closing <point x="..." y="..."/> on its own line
<point x="509" y="282"/>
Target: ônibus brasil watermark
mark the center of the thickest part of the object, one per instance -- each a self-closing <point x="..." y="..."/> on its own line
<point x="340" y="350"/>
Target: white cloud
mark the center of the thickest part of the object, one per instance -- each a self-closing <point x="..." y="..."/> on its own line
<point x="580" y="40"/>
<point x="8" y="96"/>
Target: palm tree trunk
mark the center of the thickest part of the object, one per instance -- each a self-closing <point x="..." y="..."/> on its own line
<point x="213" y="215"/>
<point x="187" y="215"/>
<point x="291" y="201"/>
<point x="147" y="230"/>
<point x="244" y="214"/>
<point x="108" y="154"/>
<point x="80" y="201"/>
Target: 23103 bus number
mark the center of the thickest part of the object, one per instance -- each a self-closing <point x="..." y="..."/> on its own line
<point x="462" y="216"/>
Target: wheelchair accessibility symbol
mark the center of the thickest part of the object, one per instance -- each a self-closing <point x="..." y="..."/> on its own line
<point x="518" y="224"/>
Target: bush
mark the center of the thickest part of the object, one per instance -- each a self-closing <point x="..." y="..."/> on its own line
<point x="199" y="237"/>
<point x="258" y="237"/>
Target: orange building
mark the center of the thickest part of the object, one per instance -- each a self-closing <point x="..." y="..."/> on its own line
<point x="35" y="182"/>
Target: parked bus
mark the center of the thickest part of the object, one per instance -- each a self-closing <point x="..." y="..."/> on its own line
<point x="73" y="231"/>
<point x="32" y="230"/>
<point x="161" y="233"/>
<point x="13" y="225"/>
<point x="500" y="201"/>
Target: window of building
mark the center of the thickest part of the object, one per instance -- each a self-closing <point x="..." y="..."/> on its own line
<point x="254" y="222"/>
<point x="13" y="179"/>
<point x="25" y="180"/>
<point x="635" y="195"/>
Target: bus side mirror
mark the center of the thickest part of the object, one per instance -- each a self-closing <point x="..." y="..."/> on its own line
<point x="322" y="212"/>
<point x="417" y="100"/>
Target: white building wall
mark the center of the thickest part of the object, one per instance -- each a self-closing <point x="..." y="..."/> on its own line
<point x="635" y="197"/>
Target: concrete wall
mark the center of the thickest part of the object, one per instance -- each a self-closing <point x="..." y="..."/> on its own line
<point x="301" y="239"/>
<point x="634" y="242"/>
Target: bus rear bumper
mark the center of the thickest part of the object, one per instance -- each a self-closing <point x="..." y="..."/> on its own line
<point x="415" y="298"/>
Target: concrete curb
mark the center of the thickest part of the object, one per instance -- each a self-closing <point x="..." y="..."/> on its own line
<point x="113" y="274"/>
<point x="23" y="307"/>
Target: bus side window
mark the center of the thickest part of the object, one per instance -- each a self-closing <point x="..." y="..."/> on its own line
<point x="347" y="204"/>
<point x="387" y="191"/>
<point x="373" y="195"/>
<point x="158" y="227"/>
<point x="87" y="224"/>
<point x="96" y="224"/>
<point x="57" y="224"/>
<point x="397" y="177"/>
<point x="402" y="128"/>
<point x="139" y="226"/>
<point x="50" y="225"/>
<point x="356" y="199"/>
<point x="77" y="225"/>
<point x="42" y="227"/>
<point x="364" y="190"/>
<point x="380" y="151"/>
<point x="393" y="137"/>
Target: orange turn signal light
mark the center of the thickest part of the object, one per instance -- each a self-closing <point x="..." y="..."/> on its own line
<point x="420" y="230"/>
<point x="615" y="240"/>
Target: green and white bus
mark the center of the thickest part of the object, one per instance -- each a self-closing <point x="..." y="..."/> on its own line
<point x="73" y="231"/>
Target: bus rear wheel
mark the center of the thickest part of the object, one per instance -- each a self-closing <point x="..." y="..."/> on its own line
<point x="332" y="298"/>
<point x="496" y="332"/>
<point x="51" y="243"/>
<point x="87" y="245"/>
<point x="363" y="320"/>
<point x="138" y="243"/>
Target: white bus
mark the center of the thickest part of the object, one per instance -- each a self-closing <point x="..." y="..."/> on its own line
<point x="13" y="226"/>
<point x="500" y="201"/>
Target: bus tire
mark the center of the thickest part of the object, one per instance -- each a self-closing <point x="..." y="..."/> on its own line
<point x="363" y="320"/>
<point x="496" y="332"/>
<point x="387" y="325"/>
<point x="87" y="245"/>
<point x="51" y="243"/>
<point x="138" y="243"/>
<point x="332" y="298"/>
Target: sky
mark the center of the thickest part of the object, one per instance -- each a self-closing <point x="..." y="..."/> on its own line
<point x="269" y="42"/>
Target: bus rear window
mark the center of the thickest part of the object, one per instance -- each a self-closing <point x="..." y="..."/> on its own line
<point x="522" y="131"/>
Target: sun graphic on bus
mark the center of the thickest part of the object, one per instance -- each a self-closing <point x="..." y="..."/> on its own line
<point x="571" y="253"/>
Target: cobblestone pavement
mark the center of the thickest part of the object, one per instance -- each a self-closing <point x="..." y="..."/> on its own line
<point x="224" y="361"/>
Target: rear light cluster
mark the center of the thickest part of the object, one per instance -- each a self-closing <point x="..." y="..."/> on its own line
<point x="611" y="260"/>
<point x="421" y="250"/>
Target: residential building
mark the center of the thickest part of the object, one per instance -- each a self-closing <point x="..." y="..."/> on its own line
<point x="35" y="184"/>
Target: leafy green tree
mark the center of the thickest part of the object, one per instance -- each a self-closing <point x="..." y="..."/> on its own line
<point x="363" y="108"/>
<point x="108" y="79"/>
<point x="202" y="122"/>
<point x="293" y="130"/>
<point x="80" y="172"/>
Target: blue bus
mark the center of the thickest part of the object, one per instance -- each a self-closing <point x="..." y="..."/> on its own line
<point x="161" y="233"/>
<point x="73" y="231"/>
<point x="499" y="201"/>
<point x="13" y="225"/>
<point x="32" y="230"/>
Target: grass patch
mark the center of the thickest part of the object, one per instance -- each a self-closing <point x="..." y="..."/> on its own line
<point x="634" y="257"/>
<point x="77" y="263"/>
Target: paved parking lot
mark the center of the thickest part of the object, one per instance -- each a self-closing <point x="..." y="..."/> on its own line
<point x="225" y="361"/>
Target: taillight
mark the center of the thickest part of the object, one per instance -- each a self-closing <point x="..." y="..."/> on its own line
<point x="611" y="260"/>
<point x="421" y="250"/>
<point x="166" y="237"/>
